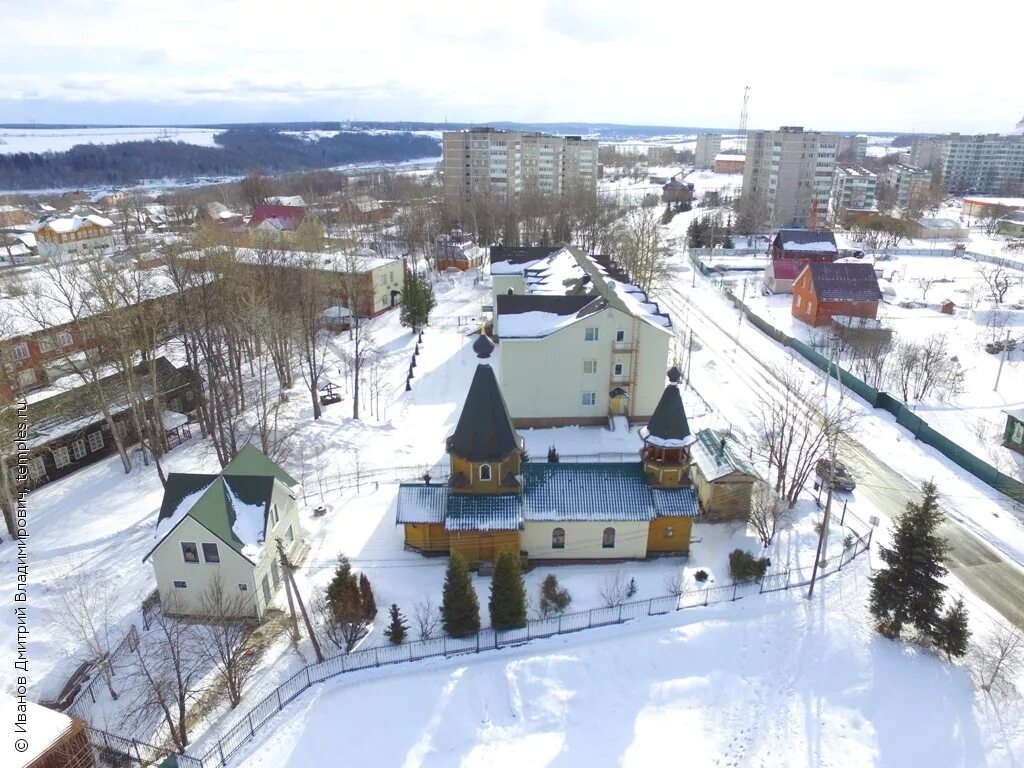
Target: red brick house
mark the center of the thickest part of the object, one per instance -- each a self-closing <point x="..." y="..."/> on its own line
<point x="823" y="290"/>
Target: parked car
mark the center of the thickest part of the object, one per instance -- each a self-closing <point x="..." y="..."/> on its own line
<point x="835" y="475"/>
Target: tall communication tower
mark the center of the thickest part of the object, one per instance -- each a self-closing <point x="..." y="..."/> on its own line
<point x="743" y="121"/>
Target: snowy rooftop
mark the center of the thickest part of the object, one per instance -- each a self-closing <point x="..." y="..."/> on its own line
<point x="44" y="726"/>
<point x="515" y="261"/>
<point x="727" y="157"/>
<point x="1009" y="202"/>
<point x="360" y="259"/>
<point x="74" y="223"/>
<point x="716" y="456"/>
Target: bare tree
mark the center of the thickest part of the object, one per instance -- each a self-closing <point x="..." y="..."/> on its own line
<point x="999" y="280"/>
<point x="85" y="614"/>
<point x="165" y="674"/>
<point x="427" y="618"/>
<point x="223" y="635"/>
<point x="614" y="590"/>
<point x="674" y="583"/>
<point x="919" y="369"/>
<point x="793" y="432"/>
<point x="641" y="250"/>
<point x="996" y="660"/>
<point x="768" y="512"/>
<point x="925" y="284"/>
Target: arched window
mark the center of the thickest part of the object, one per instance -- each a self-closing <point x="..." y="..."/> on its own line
<point x="668" y="532"/>
<point x="558" y="538"/>
<point x="485" y="472"/>
<point x="608" y="540"/>
<point x="511" y="292"/>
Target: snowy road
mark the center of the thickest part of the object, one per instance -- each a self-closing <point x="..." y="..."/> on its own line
<point x="993" y="575"/>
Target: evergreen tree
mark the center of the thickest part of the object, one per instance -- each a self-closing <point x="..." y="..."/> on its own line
<point x="508" y="595"/>
<point x="460" y="609"/>
<point x="397" y="628"/>
<point x="418" y="301"/>
<point x="951" y="633"/>
<point x="346" y="610"/>
<point x="553" y="598"/>
<point x="908" y="591"/>
<point x="366" y="598"/>
<point x="342" y="576"/>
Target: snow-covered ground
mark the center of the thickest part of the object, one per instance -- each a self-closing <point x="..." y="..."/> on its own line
<point x="14" y="140"/>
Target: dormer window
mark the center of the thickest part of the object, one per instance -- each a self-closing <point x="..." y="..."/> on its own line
<point x="485" y="472"/>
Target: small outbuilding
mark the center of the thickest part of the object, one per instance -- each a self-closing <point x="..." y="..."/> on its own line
<point x="805" y="245"/>
<point x="723" y="478"/>
<point x="822" y="291"/>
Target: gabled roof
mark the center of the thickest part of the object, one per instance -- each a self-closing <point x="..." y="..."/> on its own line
<point x="250" y="461"/>
<point x="806" y="241"/>
<point x="483" y="512"/>
<point x="419" y="503"/>
<point x="517" y="304"/>
<point x="675" y="502"/>
<point x="484" y="431"/>
<point x="581" y="492"/>
<point x="289" y="216"/>
<point x="844" y="282"/>
<point x="523" y="255"/>
<point x="668" y="426"/>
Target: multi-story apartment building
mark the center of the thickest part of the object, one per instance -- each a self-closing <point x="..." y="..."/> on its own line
<point x="853" y="188"/>
<point x="909" y="183"/>
<point x="984" y="163"/>
<point x="708" y="146"/>
<point x="926" y="152"/>
<point x="789" y="170"/>
<point x="852" y="149"/>
<point x="506" y="164"/>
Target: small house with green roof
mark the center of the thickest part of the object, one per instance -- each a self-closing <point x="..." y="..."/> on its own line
<point x="225" y="527"/>
<point x="722" y="477"/>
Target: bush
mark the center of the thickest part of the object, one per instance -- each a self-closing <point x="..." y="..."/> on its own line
<point x="701" y="575"/>
<point x="745" y="567"/>
<point x="553" y="597"/>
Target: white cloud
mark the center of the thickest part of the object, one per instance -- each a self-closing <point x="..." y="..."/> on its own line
<point x="870" y="65"/>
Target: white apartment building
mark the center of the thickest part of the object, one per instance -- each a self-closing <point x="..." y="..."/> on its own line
<point x="986" y="164"/>
<point x="510" y="163"/>
<point x="907" y="182"/>
<point x="708" y="146"/>
<point x="790" y="169"/>
<point x="578" y="342"/>
<point x="852" y="149"/>
<point x="853" y="188"/>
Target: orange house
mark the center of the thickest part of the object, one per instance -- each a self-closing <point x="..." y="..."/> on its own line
<point x="822" y="291"/>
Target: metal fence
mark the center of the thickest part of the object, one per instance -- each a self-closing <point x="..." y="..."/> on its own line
<point x="489" y="639"/>
<point x="112" y="751"/>
<point x="78" y="707"/>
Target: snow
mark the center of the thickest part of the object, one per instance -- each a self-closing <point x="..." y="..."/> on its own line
<point x="364" y="259"/>
<point x="43" y="726"/>
<point x="74" y="223"/>
<point x="534" y="325"/>
<point x="249" y="524"/>
<point x="823" y="245"/>
<point x="663" y="442"/>
<point x="173" y="419"/>
<point x="14" y="140"/>
<point x="168" y="524"/>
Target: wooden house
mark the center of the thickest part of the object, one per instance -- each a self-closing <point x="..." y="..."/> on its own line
<point x="54" y="740"/>
<point x="1013" y="435"/>
<point x="677" y="192"/>
<point x="822" y="291"/>
<point x="226" y="527"/>
<point x="723" y="478"/>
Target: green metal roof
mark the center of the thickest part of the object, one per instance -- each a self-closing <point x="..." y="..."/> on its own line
<point x="675" y="502"/>
<point x="484" y="512"/>
<point x="580" y="492"/>
<point x="251" y="461"/>
<point x="668" y="422"/>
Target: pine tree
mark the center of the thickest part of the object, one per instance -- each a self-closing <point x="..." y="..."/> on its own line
<point x="342" y="575"/>
<point x="397" y="628"/>
<point x="366" y="598"/>
<point x="908" y="591"/>
<point x="553" y="598"/>
<point x="508" y="595"/>
<point x="418" y="301"/>
<point x="951" y="633"/>
<point x="460" y="609"/>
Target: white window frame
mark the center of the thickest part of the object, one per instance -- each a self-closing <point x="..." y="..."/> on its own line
<point x="485" y="469"/>
<point x="19" y="351"/>
<point x="216" y="551"/>
<point x="620" y="336"/>
<point x="45" y="344"/>
<point x="592" y="334"/>
<point x="36" y="467"/>
<point x="180" y="584"/>
<point x="590" y="366"/>
<point x="618" y="369"/>
<point x="98" y="443"/>
<point x="243" y="587"/>
<point x="588" y="399"/>
<point x="78" y="449"/>
<point x="61" y="457"/>
<point x="65" y="339"/>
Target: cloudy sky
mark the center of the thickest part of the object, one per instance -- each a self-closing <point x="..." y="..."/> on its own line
<point x="855" y="65"/>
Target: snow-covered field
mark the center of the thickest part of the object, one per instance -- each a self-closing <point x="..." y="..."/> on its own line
<point x="14" y="140"/>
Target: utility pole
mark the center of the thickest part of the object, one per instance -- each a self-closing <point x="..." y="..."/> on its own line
<point x="288" y="591"/>
<point x="821" y="538"/>
<point x="743" y="302"/>
<point x="302" y="606"/>
<point x="689" y="352"/>
<point x="1006" y="354"/>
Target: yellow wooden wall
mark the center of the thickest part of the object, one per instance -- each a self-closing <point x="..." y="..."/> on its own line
<point x="679" y="541"/>
<point x="483" y="546"/>
<point x="726" y="498"/>
<point x="426" y="537"/>
<point x="498" y="470"/>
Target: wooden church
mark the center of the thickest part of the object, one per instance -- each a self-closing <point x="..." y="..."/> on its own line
<point x="495" y="500"/>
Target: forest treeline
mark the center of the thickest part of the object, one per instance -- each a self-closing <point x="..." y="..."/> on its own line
<point x="239" y="151"/>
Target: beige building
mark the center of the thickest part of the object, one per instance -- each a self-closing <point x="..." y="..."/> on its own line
<point x="852" y="149"/>
<point x="853" y="188"/>
<point x="708" y="146"/>
<point x="73" y="237"/>
<point x="579" y="343"/>
<point x="226" y="527"/>
<point x="789" y="170"/>
<point x="908" y="183"/>
<point x="729" y="163"/>
<point x="505" y="164"/>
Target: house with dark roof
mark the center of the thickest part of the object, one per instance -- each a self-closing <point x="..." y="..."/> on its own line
<point x="823" y="291"/>
<point x="722" y="477"/>
<point x="807" y="245"/>
<point x="277" y="218"/>
<point x="224" y="529"/>
<point x="549" y="511"/>
<point x="579" y="343"/>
